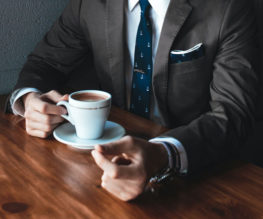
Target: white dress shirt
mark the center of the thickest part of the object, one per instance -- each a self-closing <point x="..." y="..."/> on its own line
<point x="133" y="13"/>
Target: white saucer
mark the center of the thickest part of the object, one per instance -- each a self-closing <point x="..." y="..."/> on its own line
<point x="66" y="134"/>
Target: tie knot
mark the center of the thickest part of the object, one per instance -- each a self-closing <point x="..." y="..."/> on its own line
<point x="145" y="5"/>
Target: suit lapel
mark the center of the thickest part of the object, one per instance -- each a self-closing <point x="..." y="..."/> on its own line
<point x="176" y="15"/>
<point x="115" y="37"/>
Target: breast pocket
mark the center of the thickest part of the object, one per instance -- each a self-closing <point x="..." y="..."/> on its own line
<point x="187" y="67"/>
<point x="188" y="89"/>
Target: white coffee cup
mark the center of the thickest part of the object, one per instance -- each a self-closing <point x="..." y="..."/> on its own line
<point x="88" y="110"/>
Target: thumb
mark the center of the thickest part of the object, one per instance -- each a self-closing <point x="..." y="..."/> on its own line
<point x="65" y="97"/>
<point x="124" y="145"/>
<point x="53" y="95"/>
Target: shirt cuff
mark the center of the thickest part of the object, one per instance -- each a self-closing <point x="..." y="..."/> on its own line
<point x="15" y="101"/>
<point x="180" y="150"/>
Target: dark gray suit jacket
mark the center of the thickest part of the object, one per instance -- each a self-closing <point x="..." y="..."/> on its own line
<point x="208" y="103"/>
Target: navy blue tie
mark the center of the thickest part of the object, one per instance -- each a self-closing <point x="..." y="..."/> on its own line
<point x="142" y="70"/>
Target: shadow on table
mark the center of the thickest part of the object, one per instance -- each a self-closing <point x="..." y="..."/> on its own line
<point x="252" y="151"/>
<point x="214" y="190"/>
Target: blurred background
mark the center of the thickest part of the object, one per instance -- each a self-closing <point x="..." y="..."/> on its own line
<point x="22" y="25"/>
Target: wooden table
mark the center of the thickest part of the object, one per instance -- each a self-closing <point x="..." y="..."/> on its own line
<point x="47" y="179"/>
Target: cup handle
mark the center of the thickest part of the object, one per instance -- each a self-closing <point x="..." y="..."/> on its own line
<point x="67" y="117"/>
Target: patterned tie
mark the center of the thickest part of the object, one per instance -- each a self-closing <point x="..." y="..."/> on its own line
<point x="142" y="70"/>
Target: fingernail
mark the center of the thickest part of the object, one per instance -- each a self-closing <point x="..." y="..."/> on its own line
<point x="97" y="147"/>
<point x="123" y="196"/>
<point x="63" y="111"/>
<point x="103" y="184"/>
<point x="103" y="178"/>
<point x="93" y="153"/>
<point x="65" y="97"/>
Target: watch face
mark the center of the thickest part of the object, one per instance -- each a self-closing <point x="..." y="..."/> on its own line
<point x="158" y="181"/>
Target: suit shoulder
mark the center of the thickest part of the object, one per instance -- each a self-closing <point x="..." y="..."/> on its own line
<point x="219" y="4"/>
<point x="218" y="9"/>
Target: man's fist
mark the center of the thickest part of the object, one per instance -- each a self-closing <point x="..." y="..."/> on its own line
<point x="41" y="113"/>
<point x="134" y="162"/>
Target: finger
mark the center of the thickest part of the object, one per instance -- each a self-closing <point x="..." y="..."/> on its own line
<point x="113" y="170"/>
<point x="65" y="97"/>
<point x="47" y="108"/>
<point x="53" y="95"/>
<point x="40" y="126"/>
<point x="125" y="172"/>
<point x="115" y="191"/>
<point x="122" y="189"/>
<point x="43" y="118"/>
<point x="38" y="133"/>
<point x="114" y="187"/>
<point x="124" y="145"/>
<point x="133" y="183"/>
<point x="120" y="160"/>
<point x="104" y="163"/>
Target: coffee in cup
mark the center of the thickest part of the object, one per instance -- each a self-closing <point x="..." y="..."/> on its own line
<point x="88" y="110"/>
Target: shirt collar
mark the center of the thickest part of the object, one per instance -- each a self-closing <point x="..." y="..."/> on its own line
<point x="159" y="6"/>
<point x="132" y="4"/>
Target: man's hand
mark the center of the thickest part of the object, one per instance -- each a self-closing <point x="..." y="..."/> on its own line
<point x="135" y="161"/>
<point x="41" y="113"/>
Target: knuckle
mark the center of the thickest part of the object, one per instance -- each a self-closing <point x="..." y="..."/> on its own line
<point x="43" y="108"/>
<point x="131" y="196"/>
<point x="143" y="179"/>
<point x="51" y="92"/>
<point x="43" y="96"/>
<point x="134" y="194"/>
<point x="28" y="130"/>
<point x="100" y="162"/>
<point x="27" y="113"/>
<point x="60" y="119"/>
<point x="47" y="120"/>
<point x="48" y="128"/>
<point x="43" y="135"/>
<point x="130" y="139"/>
<point x="54" y="92"/>
<point x="115" y="174"/>
<point x="139" y="189"/>
<point x="125" y="197"/>
<point x="27" y="124"/>
<point x="104" y="178"/>
<point x="103" y="185"/>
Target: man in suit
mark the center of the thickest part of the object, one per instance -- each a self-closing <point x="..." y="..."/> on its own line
<point x="203" y="83"/>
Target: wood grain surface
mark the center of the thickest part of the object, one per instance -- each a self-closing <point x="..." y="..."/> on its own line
<point x="47" y="179"/>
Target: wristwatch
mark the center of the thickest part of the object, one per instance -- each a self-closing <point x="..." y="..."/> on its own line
<point x="167" y="174"/>
<point x="159" y="180"/>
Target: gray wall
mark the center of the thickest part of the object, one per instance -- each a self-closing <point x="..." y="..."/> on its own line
<point x="22" y="24"/>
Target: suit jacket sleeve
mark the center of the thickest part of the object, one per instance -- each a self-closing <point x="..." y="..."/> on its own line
<point x="61" y="50"/>
<point x="217" y="134"/>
